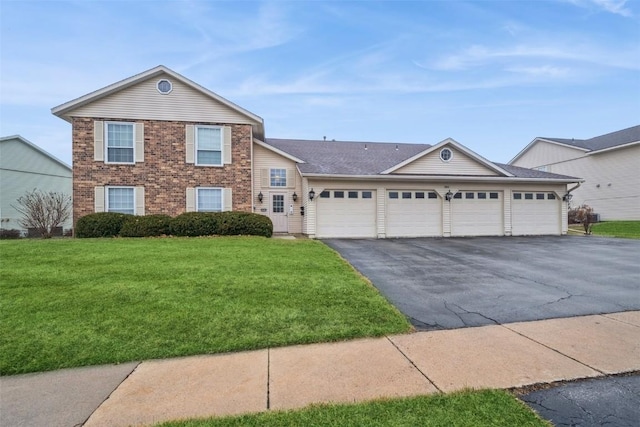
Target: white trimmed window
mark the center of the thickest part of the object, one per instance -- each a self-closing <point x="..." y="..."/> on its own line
<point x="121" y="200"/>
<point x="278" y="177"/>
<point x="119" y="142"/>
<point x="208" y="199"/>
<point x="208" y="145"/>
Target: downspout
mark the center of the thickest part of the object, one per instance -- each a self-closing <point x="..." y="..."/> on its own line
<point x="567" y="197"/>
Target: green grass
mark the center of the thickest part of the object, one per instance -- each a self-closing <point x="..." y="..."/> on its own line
<point x="470" y="408"/>
<point x="77" y="302"/>
<point x="629" y="229"/>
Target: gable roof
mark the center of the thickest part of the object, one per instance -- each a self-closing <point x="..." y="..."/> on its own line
<point x="63" y="110"/>
<point x="598" y="143"/>
<point x="375" y="159"/>
<point x="35" y="147"/>
<point x="452" y="142"/>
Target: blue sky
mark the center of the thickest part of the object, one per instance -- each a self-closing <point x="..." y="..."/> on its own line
<point x="491" y="74"/>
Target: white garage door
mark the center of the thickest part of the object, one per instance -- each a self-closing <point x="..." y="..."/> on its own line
<point x="477" y="213"/>
<point x="346" y="213"/>
<point x="413" y="213"/>
<point x="535" y="213"/>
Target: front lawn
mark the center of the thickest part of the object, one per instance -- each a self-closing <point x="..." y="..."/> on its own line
<point x="488" y="408"/>
<point x="629" y="229"/>
<point x="77" y="302"/>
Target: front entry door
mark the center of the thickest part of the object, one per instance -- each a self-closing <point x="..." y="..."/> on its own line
<point x="278" y="213"/>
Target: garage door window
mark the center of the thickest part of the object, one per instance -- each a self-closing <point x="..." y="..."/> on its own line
<point x="324" y="194"/>
<point x="353" y="194"/>
<point x="406" y="195"/>
<point x="493" y="195"/>
<point x="366" y="194"/>
<point x="517" y="196"/>
<point x="469" y="195"/>
<point x="433" y="195"/>
<point x="457" y="196"/>
<point x="393" y="194"/>
<point x="419" y="195"/>
<point x="528" y="196"/>
<point x="540" y="196"/>
<point x="551" y="196"/>
<point x="482" y="195"/>
<point x="338" y="194"/>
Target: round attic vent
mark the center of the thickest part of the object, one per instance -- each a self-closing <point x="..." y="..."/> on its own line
<point x="164" y="86"/>
<point x="446" y="154"/>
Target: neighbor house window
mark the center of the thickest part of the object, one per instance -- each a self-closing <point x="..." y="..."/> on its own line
<point x="121" y="200"/>
<point x="208" y="145"/>
<point x="119" y="142"/>
<point x="278" y="177"/>
<point x="209" y="199"/>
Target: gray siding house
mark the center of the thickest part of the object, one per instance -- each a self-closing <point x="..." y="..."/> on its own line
<point x="24" y="167"/>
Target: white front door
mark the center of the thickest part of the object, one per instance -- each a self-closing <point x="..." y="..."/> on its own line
<point x="278" y="213"/>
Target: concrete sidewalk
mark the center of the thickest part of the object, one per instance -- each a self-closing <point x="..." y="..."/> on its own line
<point x="501" y="356"/>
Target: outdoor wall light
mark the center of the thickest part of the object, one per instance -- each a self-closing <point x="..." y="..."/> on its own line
<point x="567" y="197"/>
<point x="260" y="197"/>
<point x="295" y="196"/>
<point x="312" y="194"/>
<point x="448" y="196"/>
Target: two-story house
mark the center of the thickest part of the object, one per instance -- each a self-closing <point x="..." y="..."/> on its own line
<point x="159" y="143"/>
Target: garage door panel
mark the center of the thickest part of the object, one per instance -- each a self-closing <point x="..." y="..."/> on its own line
<point x="346" y="213"/>
<point x="413" y="213"/>
<point x="477" y="213"/>
<point x="536" y="213"/>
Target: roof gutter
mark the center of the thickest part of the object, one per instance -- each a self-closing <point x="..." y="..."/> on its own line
<point x="567" y="197"/>
<point x="443" y="178"/>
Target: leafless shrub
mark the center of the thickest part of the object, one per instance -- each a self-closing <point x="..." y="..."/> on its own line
<point x="43" y="211"/>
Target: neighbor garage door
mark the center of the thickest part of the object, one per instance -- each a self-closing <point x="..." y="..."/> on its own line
<point x="477" y="213"/>
<point x="413" y="213"/>
<point x="346" y="213"/>
<point x="535" y="213"/>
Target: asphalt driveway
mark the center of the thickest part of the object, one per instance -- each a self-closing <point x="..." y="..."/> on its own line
<point x="459" y="282"/>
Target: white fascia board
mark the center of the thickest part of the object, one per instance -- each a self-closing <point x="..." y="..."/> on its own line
<point x="62" y="109"/>
<point x="277" y="151"/>
<point x="443" y="178"/>
<point x="617" y="147"/>
<point x="458" y="146"/>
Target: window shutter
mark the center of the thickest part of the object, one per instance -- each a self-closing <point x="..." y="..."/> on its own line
<point x="265" y="178"/>
<point x="139" y="132"/>
<point x="226" y="151"/>
<point x="98" y="141"/>
<point x="190" y="143"/>
<point x="98" y="199"/>
<point x="139" y="192"/>
<point x="226" y="200"/>
<point x="291" y="178"/>
<point x="191" y="199"/>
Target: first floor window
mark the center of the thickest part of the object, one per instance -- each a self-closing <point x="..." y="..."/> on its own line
<point x="209" y="199"/>
<point x="121" y="200"/>
<point x="119" y="142"/>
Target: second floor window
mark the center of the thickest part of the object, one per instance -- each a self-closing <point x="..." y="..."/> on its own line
<point x="119" y="142"/>
<point x="208" y="145"/>
<point x="278" y="177"/>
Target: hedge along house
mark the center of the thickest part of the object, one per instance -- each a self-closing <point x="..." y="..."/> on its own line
<point x="160" y="143"/>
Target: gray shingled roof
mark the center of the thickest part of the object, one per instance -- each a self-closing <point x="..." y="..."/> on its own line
<point x="346" y="157"/>
<point x="367" y="158"/>
<point x="613" y="139"/>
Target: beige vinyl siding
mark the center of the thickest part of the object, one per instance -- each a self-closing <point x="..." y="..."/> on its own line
<point x="460" y="164"/>
<point x="612" y="182"/>
<point x="544" y="153"/>
<point x="263" y="161"/>
<point x="143" y="101"/>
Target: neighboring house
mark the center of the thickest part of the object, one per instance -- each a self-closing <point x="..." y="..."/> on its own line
<point x="159" y="143"/>
<point x="609" y="164"/>
<point x="25" y="167"/>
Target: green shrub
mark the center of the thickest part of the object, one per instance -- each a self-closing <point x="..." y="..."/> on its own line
<point x="244" y="223"/>
<point x="194" y="224"/>
<point x="101" y="224"/>
<point x="146" y="226"/>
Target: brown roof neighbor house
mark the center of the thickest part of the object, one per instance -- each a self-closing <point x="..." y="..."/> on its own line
<point x="159" y="143"/>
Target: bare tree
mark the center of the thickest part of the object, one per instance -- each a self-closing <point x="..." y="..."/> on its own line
<point x="584" y="215"/>
<point x="43" y="211"/>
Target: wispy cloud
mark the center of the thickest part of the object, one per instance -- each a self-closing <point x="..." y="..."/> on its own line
<point x="617" y="7"/>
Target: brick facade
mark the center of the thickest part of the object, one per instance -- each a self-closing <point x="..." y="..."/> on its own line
<point x="164" y="172"/>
